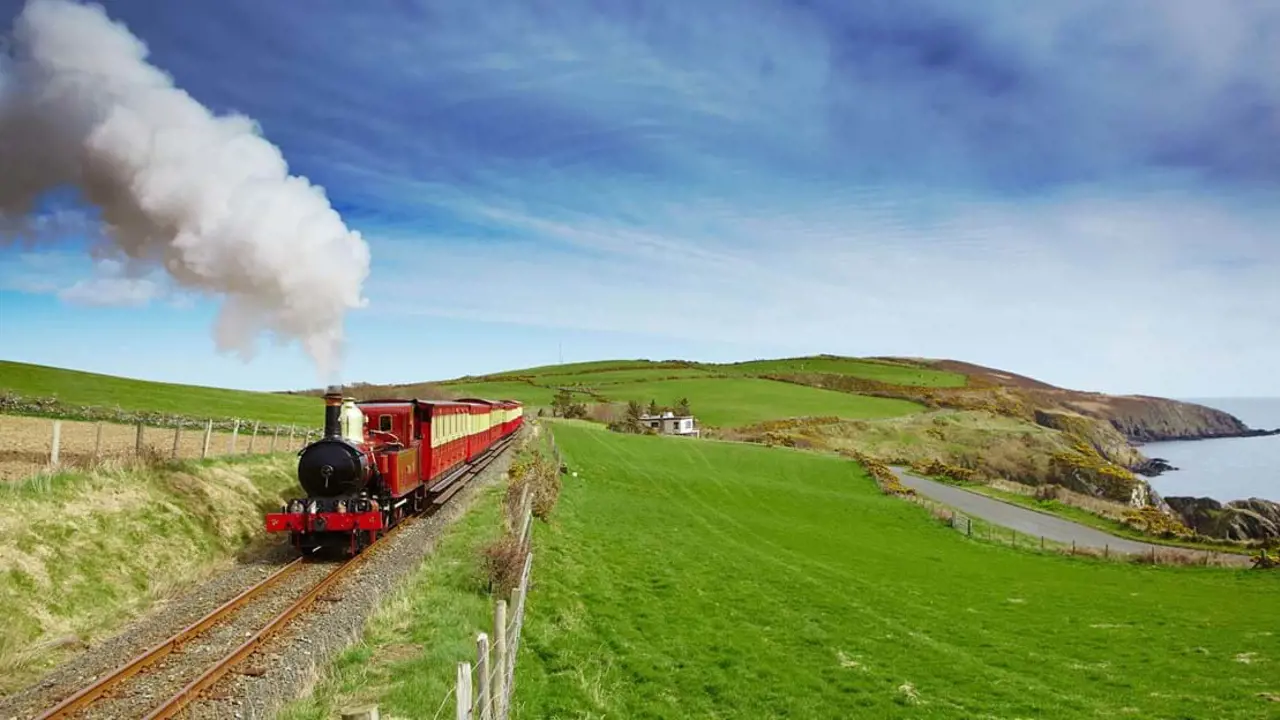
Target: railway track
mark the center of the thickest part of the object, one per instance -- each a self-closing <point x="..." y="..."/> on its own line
<point x="163" y="680"/>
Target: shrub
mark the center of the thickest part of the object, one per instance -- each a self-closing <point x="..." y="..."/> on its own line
<point x="541" y="475"/>
<point x="503" y="563"/>
<point x="1153" y="521"/>
<point x="884" y="477"/>
<point x="1045" y="493"/>
<point x="938" y="469"/>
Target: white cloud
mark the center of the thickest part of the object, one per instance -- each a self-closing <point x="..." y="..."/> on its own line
<point x="1125" y="295"/>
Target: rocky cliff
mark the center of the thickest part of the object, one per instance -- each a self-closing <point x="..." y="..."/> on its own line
<point x="1101" y="436"/>
<point x="1252" y="519"/>
<point x="1150" y="419"/>
<point x="1140" y="418"/>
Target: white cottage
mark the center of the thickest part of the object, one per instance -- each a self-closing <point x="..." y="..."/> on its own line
<point x="668" y="423"/>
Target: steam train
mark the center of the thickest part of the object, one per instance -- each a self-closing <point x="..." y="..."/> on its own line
<point x="380" y="461"/>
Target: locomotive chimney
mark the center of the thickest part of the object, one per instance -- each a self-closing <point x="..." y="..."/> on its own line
<point x="332" y="411"/>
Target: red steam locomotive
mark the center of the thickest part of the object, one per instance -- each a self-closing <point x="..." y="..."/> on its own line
<point x="382" y="460"/>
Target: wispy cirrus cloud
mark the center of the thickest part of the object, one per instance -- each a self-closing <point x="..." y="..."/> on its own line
<point x="1081" y="190"/>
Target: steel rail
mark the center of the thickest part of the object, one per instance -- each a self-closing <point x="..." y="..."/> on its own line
<point x="186" y="695"/>
<point x="182" y="698"/>
<point x="87" y="695"/>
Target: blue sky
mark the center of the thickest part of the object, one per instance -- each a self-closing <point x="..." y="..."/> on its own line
<point x="1084" y="192"/>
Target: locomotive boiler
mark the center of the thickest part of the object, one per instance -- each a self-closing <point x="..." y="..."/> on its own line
<point x="379" y="461"/>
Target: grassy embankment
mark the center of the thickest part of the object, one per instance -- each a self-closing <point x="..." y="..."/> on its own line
<point x="1104" y="518"/>
<point x="56" y="392"/>
<point x="407" y="659"/>
<point x="720" y="395"/>
<point x="1012" y="456"/>
<point x="87" y="551"/>
<point x="877" y="407"/>
<point x="692" y="579"/>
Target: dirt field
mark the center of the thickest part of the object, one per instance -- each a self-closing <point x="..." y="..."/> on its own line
<point x="26" y="442"/>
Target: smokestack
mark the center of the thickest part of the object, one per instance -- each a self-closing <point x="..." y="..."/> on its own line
<point x="187" y="200"/>
<point x="332" y="412"/>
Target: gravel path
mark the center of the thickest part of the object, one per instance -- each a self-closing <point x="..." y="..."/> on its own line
<point x="286" y="664"/>
<point x="1037" y="524"/>
<point x="158" y="625"/>
<point x="143" y="693"/>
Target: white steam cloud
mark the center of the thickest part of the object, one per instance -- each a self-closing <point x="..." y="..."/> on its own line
<point x="204" y="198"/>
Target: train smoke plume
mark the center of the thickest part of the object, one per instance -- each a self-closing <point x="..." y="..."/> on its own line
<point x="205" y="198"/>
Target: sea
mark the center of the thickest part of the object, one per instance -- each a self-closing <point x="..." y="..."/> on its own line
<point x="1226" y="469"/>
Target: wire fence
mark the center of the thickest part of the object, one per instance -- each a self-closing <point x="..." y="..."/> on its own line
<point x="31" y="445"/>
<point x="1169" y="555"/>
<point x="483" y="688"/>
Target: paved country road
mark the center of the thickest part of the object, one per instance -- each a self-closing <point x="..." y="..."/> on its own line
<point x="1036" y="524"/>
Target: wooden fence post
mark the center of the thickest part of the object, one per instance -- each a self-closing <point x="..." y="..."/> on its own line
<point x="290" y="437"/>
<point x="137" y="442"/>
<point x="235" y="433"/>
<point x="463" y="692"/>
<point x="55" y="443"/>
<point x="177" y="440"/>
<point x="484" y="698"/>
<point x="501" y="662"/>
<point x="97" y="443"/>
<point x="253" y="438"/>
<point x="275" y="436"/>
<point x="208" y="435"/>
<point x="1106" y="550"/>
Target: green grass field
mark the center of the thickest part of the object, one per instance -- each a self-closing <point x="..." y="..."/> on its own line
<point x="722" y="395"/>
<point x="610" y="377"/>
<point x="582" y="367"/>
<point x="724" y="402"/>
<point x="685" y="578"/>
<point x="77" y="388"/>
<point x="878" y="370"/>
<point x="602" y="371"/>
<point x="532" y="395"/>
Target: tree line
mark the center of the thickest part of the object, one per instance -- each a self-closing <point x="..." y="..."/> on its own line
<point x="564" y="405"/>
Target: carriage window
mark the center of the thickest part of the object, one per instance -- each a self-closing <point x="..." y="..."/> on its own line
<point x="384" y="423"/>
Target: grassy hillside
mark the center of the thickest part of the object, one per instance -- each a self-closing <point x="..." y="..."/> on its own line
<point x="897" y="372"/>
<point x="75" y="389"/>
<point x="86" y="551"/>
<point x="885" y="371"/>
<point x="783" y="584"/>
<point x="738" y="401"/>
<point x="722" y="395"/>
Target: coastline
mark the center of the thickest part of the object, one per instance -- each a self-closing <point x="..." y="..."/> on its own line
<point x="1221" y="489"/>
<point x="1250" y="433"/>
<point x="1189" y="468"/>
